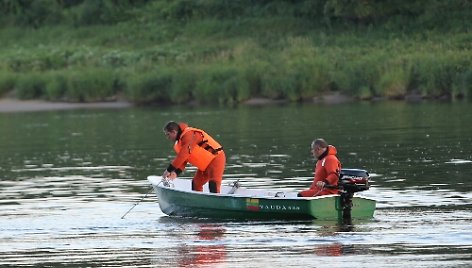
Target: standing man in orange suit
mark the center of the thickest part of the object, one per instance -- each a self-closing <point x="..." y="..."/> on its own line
<point x="195" y="146"/>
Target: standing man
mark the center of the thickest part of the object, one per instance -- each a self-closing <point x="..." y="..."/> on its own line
<point x="195" y="146"/>
<point x="327" y="170"/>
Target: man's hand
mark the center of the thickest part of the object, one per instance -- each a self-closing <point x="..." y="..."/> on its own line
<point x="169" y="175"/>
<point x="320" y="184"/>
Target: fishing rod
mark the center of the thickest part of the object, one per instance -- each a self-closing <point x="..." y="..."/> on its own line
<point x="135" y="204"/>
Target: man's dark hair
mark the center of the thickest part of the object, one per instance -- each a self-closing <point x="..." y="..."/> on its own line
<point x="171" y="125"/>
<point x="320" y="143"/>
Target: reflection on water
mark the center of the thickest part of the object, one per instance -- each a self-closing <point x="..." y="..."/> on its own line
<point x="204" y="249"/>
<point x="67" y="177"/>
<point x="334" y="249"/>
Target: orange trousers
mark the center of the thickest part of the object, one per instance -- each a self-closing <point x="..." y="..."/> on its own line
<point x="213" y="173"/>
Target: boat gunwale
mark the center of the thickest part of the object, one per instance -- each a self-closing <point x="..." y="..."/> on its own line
<point x="160" y="185"/>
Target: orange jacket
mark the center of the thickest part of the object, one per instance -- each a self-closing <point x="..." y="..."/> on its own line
<point x="196" y="147"/>
<point x="327" y="169"/>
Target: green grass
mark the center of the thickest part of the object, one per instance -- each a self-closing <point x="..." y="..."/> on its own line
<point x="169" y="52"/>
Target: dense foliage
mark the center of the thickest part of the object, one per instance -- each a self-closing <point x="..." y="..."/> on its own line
<point x="227" y="51"/>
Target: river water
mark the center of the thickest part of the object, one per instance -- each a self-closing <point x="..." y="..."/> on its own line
<point x="67" y="178"/>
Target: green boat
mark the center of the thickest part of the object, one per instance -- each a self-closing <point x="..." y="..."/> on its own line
<point x="235" y="202"/>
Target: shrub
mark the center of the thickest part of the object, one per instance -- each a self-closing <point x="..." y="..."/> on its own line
<point x="311" y="77"/>
<point x="235" y="88"/>
<point x="38" y="13"/>
<point x="279" y="84"/>
<point x="7" y="82"/>
<point x="90" y="85"/>
<point x="92" y="12"/>
<point x="435" y="76"/>
<point x="150" y="87"/>
<point x="357" y="78"/>
<point x="182" y="86"/>
<point x="221" y="84"/>
<point x="463" y="87"/>
<point x="394" y="82"/>
<point x="253" y="72"/>
<point x="30" y="86"/>
<point x="56" y="87"/>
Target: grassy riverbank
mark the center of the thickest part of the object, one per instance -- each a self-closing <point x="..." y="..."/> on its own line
<point x="230" y="51"/>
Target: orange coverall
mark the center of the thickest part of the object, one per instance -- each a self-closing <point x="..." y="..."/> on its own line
<point x="187" y="144"/>
<point x="327" y="169"/>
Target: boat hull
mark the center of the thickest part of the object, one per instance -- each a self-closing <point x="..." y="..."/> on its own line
<point x="175" y="202"/>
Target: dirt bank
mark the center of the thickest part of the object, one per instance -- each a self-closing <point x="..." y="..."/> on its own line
<point x="14" y="105"/>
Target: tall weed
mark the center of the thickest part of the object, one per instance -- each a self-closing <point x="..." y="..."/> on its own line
<point x="221" y="84"/>
<point x="90" y="85"/>
<point x="7" y="82"/>
<point x="150" y="87"/>
<point x="30" y="86"/>
<point x="183" y="86"/>
<point x="394" y="81"/>
<point x="56" y="86"/>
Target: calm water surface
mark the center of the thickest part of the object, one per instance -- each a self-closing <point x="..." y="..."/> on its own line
<point x="67" y="177"/>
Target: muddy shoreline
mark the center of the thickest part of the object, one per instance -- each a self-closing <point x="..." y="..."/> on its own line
<point x="10" y="105"/>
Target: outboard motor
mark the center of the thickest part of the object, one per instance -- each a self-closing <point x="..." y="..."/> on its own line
<point x="350" y="182"/>
<point x="353" y="180"/>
